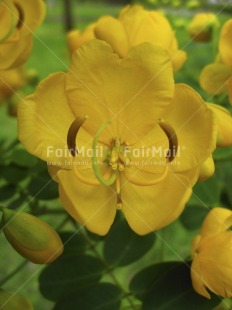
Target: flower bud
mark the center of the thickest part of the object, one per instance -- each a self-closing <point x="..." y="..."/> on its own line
<point x="201" y="27"/>
<point x="224" y="130"/>
<point x="10" y="301"/>
<point x="30" y="237"/>
<point x="207" y="170"/>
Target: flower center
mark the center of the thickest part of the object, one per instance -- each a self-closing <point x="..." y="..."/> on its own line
<point x="118" y="158"/>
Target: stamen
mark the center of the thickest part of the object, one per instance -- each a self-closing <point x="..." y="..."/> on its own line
<point x="172" y="138"/>
<point x="118" y="189"/>
<point x="138" y="181"/>
<point x="87" y="180"/>
<point x="72" y="134"/>
<point x="95" y="165"/>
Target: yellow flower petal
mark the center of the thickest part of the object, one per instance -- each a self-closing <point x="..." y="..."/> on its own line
<point x="149" y="153"/>
<point x="215" y="264"/>
<point x="131" y="18"/>
<point x="207" y="170"/>
<point x="10" y="81"/>
<point x="225" y="44"/>
<point x="224" y="120"/>
<point x="218" y="220"/>
<point x="197" y="278"/>
<point x="9" y="18"/>
<point x="214" y="77"/>
<point x="146" y="208"/>
<point x="98" y="214"/>
<point x="132" y="93"/>
<point x="151" y="26"/>
<point x="44" y="120"/>
<point x="111" y="30"/>
<point x="14" y="54"/>
<point x="76" y="38"/>
<point x="32" y="13"/>
<point x="195" y="127"/>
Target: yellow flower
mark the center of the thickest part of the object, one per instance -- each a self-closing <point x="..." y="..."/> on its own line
<point x="19" y="18"/>
<point x="224" y="138"/>
<point x="10" y="82"/>
<point x="134" y="26"/>
<point x="201" y="26"/>
<point x="211" y="253"/>
<point x="224" y="127"/>
<point x="76" y="38"/>
<point x="216" y="78"/>
<point x="141" y="146"/>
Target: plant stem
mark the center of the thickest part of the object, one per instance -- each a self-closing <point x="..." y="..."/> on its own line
<point x="14" y="272"/>
<point x="110" y="272"/>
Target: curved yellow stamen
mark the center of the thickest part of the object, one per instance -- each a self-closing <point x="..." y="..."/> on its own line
<point x="138" y="181"/>
<point x="95" y="164"/>
<point x="172" y="138"/>
<point x="72" y="134"/>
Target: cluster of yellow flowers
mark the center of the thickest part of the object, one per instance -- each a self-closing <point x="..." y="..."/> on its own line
<point x="150" y="139"/>
<point x="19" y="18"/>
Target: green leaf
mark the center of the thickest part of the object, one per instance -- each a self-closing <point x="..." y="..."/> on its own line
<point x="7" y="192"/>
<point x="206" y="193"/>
<point x="13" y="173"/>
<point x="144" y="279"/>
<point x="173" y="290"/>
<point x="73" y="242"/>
<point x="223" y="153"/>
<point x="122" y="246"/>
<point x="193" y="216"/>
<point x="23" y="159"/>
<point x="100" y="296"/>
<point x="18" y="202"/>
<point x="69" y="273"/>
<point x="43" y="187"/>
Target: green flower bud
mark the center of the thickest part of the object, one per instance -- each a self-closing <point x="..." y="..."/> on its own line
<point x="10" y="301"/>
<point x="30" y="237"/>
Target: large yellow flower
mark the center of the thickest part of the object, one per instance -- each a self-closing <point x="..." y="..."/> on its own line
<point x="139" y="149"/>
<point x="201" y="27"/>
<point x="19" y="18"/>
<point x="211" y="253"/>
<point x="133" y="26"/>
<point x="216" y="78"/>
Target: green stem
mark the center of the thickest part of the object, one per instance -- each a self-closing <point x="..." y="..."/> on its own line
<point x="14" y="272"/>
<point x="110" y="272"/>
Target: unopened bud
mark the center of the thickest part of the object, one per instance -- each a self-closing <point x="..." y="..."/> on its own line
<point x="31" y="237"/>
<point x="10" y="301"/>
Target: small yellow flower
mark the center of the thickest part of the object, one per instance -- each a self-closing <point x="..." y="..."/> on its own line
<point x="10" y="82"/>
<point x="216" y="78"/>
<point x="201" y="26"/>
<point x="19" y="18"/>
<point x="134" y="25"/>
<point x="224" y="127"/>
<point x="224" y="138"/>
<point x="211" y="253"/>
<point x="76" y="38"/>
<point x="139" y="150"/>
